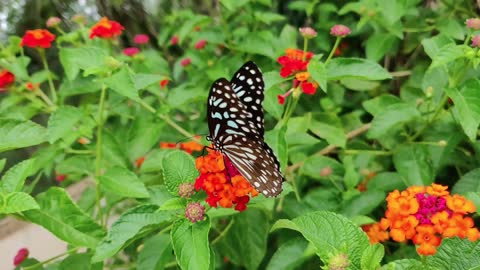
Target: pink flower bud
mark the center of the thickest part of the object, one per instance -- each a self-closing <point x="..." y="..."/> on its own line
<point x="195" y="212"/>
<point x="131" y="51"/>
<point x="339" y="262"/>
<point x="174" y="40"/>
<point x="22" y="254"/>
<point x="476" y="41"/>
<point x="60" y="177"/>
<point x="326" y="171"/>
<point x="200" y="44"/>
<point x="53" y="22"/>
<point x="141" y="39"/>
<point x="473" y="23"/>
<point x="308" y="32"/>
<point x="339" y="30"/>
<point x="186" y="190"/>
<point x="185" y="62"/>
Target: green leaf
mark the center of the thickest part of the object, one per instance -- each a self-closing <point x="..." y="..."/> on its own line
<point x="386" y="181"/>
<point x="62" y="217"/>
<point x="372" y="256"/>
<point x="178" y="167"/>
<point x="20" y="134"/>
<point x="127" y="227"/>
<point x="156" y="252"/>
<point x="455" y="254"/>
<point x="271" y="104"/>
<point x="245" y="243"/>
<point x="123" y="83"/>
<point x="79" y="86"/>
<point x="113" y="153"/>
<point x="123" y="182"/>
<point x="379" y="44"/>
<point x="319" y="73"/>
<point x="190" y="243"/>
<point x="403" y="264"/>
<point x="144" y="133"/>
<point x="394" y="115"/>
<point x="3" y="161"/>
<point x="469" y="182"/>
<point x="314" y="164"/>
<point x="467" y="107"/>
<point x="363" y="204"/>
<point x="17" y="202"/>
<point x="414" y="164"/>
<point x="276" y="140"/>
<point x="289" y="256"/>
<point x="142" y="81"/>
<point x="332" y="234"/>
<point x="75" y="59"/>
<point x="14" y="179"/>
<point x="474" y="197"/>
<point x="379" y="104"/>
<point x="359" y="85"/>
<point x="18" y="67"/>
<point x="329" y="127"/>
<point x="339" y="68"/>
<point x="79" y="261"/>
<point x="153" y="161"/>
<point x="447" y="54"/>
<point x="433" y="45"/>
<point x="62" y="121"/>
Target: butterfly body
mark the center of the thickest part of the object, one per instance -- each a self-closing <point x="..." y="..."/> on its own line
<point x="236" y="125"/>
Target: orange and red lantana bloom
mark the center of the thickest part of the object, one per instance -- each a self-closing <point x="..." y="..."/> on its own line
<point x="222" y="182"/>
<point x="425" y="215"/>
<point x="188" y="147"/>
<point x="106" y="28"/>
<point x="38" y="38"/>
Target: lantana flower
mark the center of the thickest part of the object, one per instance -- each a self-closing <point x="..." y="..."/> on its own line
<point x="21" y="256"/>
<point x="174" y="40"/>
<point x="6" y="79"/>
<point x="141" y="39"/>
<point x="185" y="62"/>
<point x="425" y="215"/>
<point x="131" y="51"/>
<point x="163" y="83"/>
<point x="106" y="29"/>
<point x="188" y="147"/>
<point x="200" y="44"/>
<point x="222" y="182"/>
<point x="37" y="38"/>
<point x="340" y="30"/>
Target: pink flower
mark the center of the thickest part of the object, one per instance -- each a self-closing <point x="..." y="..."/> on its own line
<point x="308" y="32"/>
<point x="60" y="177"/>
<point x="22" y="254"/>
<point x="473" y="23"/>
<point x="200" y="44"/>
<point x="185" y="62"/>
<point x="476" y="41"/>
<point x="186" y="190"/>
<point x="53" y="22"/>
<point x="164" y="83"/>
<point x="141" y="39"/>
<point x="174" y="40"/>
<point x="131" y="51"/>
<point x="282" y="98"/>
<point x="339" y="30"/>
<point x="195" y="212"/>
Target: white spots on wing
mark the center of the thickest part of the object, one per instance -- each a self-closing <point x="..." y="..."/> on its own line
<point x="256" y="184"/>
<point x="233" y="115"/>
<point x="225" y="115"/>
<point x="233" y="109"/>
<point x="223" y="105"/>
<point x="244" y="128"/>
<point x="216" y="102"/>
<point x="258" y="79"/>
<point x="241" y="93"/>
<point x="241" y="122"/>
<point x="252" y="71"/>
<point x="220" y="83"/>
<point x="232" y="124"/>
<point x="258" y="101"/>
<point x="249" y="81"/>
<point x="254" y="107"/>
<point x="227" y="95"/>
<point x="258" y="92"/>
<point x="241" y="78"/>
<point x="265" y="192"/>
<point x="259" y="119"/>
<point x="252" y="87"/>
<point x="248" y="99"/>
<point x="217" y="115"/>
<point x="253" y="157"/>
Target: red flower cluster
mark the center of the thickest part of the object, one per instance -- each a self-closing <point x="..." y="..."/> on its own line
<point x="6" y="79"/>
<point x="38" y="38"/>
<point x="222" y="182"/>
<point x="425" y="215"/>
<point x="106" y="28"/>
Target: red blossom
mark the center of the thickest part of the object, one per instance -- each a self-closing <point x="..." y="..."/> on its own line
<point x="174" y="40"/>
<point x="309" y="88"/>
<point x="22" y="254"/>
<point x="38" y="38"/>
<point x="164" y="83"/>
<point x="60" y="177"/>
<point x="32" y="86"/>
<point x="106" y="29"/>
<point x="141" y="39"/>
<point x="293" y="61"/>
<point x="6" y="79"/>
<point x="185" y="62"/>
<point x="139" y="161"/>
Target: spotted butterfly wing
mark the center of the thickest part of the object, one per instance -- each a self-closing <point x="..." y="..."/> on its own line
<point x="236" y="129"/>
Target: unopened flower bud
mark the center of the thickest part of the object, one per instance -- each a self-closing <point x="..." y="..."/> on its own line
<point x="53" y="22"/>
<point x="186" y="190"/>
<point x="476" y="41"/>
<point x="326" y="171"/>
<point x="473" y="23"/>
<point x="338" y="262"/>
<point x="308" y="32"/>
<point x="22" y="254"/>
<point x="429" y="92"/>
<point x="195" y="212"/>
<point x="442" y="143"/>
<point x="339" y="30"/>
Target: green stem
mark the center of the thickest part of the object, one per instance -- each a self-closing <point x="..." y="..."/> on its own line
<point x="98" y="155"/>
<point x="334" y="183"/>
<point x="44" y="97"/>
<point x="372" y="152"/>
<point x="34" y="266"/>
<point x="49" y="75"/>
<point x="305" y="47"/>
<point x="435" y="114"/>
<point x="76" y="151"/>
<point x="224" y="232"/>
<point x="335" y="46"/>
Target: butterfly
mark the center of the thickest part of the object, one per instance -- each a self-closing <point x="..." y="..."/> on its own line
<point x="236" y="128"/>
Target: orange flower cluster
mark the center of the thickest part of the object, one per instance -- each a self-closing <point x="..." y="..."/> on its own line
<point x="222" y="182"/>
<point x="425" y="215"/>
<point x="106" y="28"/>
<point x="38" y="38"/>
<point x="188" y="147"/>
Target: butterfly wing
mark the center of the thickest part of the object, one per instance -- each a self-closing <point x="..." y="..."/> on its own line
<point x="254" y="162"/>
<point x="248" y="85"/>
<point x="227" y="114"/>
